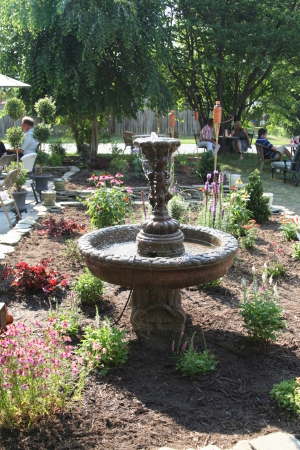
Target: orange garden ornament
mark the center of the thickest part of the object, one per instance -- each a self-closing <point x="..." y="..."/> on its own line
<point x="217" y="122"/>
<point x="172" y="122"/>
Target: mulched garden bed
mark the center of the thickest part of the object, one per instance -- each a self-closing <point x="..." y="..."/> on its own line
<point x="146" y="403"/>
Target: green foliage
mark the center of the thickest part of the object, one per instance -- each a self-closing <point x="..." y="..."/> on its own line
<point x="296" y="252"/>
<point x="260" y="309"/>
<point x="236" y="212"/>
<point x="206" y="165"/>
<point x="42" y="132"/>
<point x="289" y="228"/>
<point x="211" y="284"/>
<point x="22" y="176"/>
<point x="190" y="362"/>
<point x="138" y="167"/>
<point x="276" y="269"/>
<point x="107" y="207"/>
<point x="72" y="252"/>
<point x="58" y="148"/>
<point x="119" y="165"/>
<point x="103" y="347"/>
<point x="249" y="240"/>
<point x="287" y="395"/>
<point x="257" y="204"/>
<point x="42" y="158"/>
<point x="55" y="160"/>
<point x="89" y="288"/>
<point x="15" y="136"/>
<point x="177" y="207"/>
<point x="46" y="109"/>
<point x="116" y="151"/>
<point x="66" y="320"/>
<point x="14" y="108"/>
<point x="277" y="261"/>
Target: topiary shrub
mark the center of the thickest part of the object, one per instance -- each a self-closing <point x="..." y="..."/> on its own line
<point x="15" y="136"/>
<point x="46" y="109"/>
<point x="257" y="203"/>
<point x="14" y="108"/>
<point x="206" y="165"/>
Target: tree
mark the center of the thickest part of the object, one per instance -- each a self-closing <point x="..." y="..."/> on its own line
<point x="94" y="57"/>
<point x="226" y="49"/>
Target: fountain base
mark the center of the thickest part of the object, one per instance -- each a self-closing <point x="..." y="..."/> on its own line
<point x="156" y="245"/>
<point x="157" y="310"/>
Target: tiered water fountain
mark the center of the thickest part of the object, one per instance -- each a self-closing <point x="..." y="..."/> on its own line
<point x="161" y="255"/>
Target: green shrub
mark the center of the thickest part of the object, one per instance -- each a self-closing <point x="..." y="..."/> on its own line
<point x="287" y="395"/>
<point x="58" y="148"/>
<point x="177" y="207"/>
<point x="103" y="347"/>
<point x="289" y="228"/>
<point x="23" y="174"/>
<point x="42" y="132"/>
<point x="42" y="158"/>
<point x="55" y="160"/>
<point x="15" y="136"/>
<point x="14" y="108"/>
<point x="206" y="165"/>
<point x="257" y="203"/>
<point x="89" y="288"/>
<point x="138" y="167"/>
<point x="119" y="165"/>
<point x="211" y="284"/>
<point x="107" y="206"/>
<point x="46" y="109"/>
<point x="116" y="151"/>
<point x="260" y="310"/>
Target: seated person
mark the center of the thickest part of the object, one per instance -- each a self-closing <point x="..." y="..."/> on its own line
<point x="29" y="145"/>
<point x="2" y="149"/>
<point x="206" y="140"/>
<point x="268" y="153"/>
<point x="242" y="143"/>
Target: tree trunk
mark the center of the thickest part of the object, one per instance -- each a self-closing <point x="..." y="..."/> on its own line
<point x="75" y="134"/>
<point x="94" y="143"/>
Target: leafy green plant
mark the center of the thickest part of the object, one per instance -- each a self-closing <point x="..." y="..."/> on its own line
<point x="257" y="203"/>
<point x="15" y="136"/>
<point x="189" y="361"/>
<point x="42" y="159"/>
<point x="72" y="252"/>
<point x="138" y="167"/>
<point x="103" y="347"/>
<point x="296" y="252"/>
<point x="108" y="206"/>
<point x="22" y="176"/>
<point x="177" y="207"/>
<point x="66" y="320"/>
<point x="58" y="148"/>
<point x="46" y="109"/>
<point x="55" y="160"/>
<point x="206" y="165"/>
<point x="42" y="132"/>
<point x="14" y="108"/>
<point x="289" y="228"/>
<point x="116" y="151"/>
<point x="211" y="284"/>
<point x="277" y="263"/>
<point x="89" y="288"/>
<point x="260" y="309"/>
<point x="249" y="240"/>
<point x="38" y="374"/>
<point x="120" y="165"/>
<point x="287" y="395"/>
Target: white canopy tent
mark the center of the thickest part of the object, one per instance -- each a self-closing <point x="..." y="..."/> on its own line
<point x="7" y="82"/>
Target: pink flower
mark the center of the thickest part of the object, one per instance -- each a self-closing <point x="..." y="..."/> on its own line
<point x="119" y="175"/>
<point x="184" y="346"/>
<point x="104" y="351"/>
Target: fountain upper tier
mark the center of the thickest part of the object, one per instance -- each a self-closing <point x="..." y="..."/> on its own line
<point x="160" y="235"/>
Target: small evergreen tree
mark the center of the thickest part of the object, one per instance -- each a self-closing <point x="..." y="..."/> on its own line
<point x="257" y="204"/>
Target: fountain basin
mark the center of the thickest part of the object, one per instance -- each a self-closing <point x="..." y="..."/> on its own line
<point x="158" y="273"/>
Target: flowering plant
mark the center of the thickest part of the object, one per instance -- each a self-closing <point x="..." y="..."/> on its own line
<point x="108" y="206"/>
<point x="65" y="320"/>
<point x="248" y="241"/>
<point x="289" y="227"/>
<point x="103" y="347"/>
<point x="34" y="277"/>
<point x="296" y="248"/>
<point x="38" y="374"/>
<point x="260" y="309"/>
<point x="189" y="361"/>
<point x="277" y="263"/>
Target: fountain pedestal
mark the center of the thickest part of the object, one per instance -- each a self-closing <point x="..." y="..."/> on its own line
<point x="157" y="310"/>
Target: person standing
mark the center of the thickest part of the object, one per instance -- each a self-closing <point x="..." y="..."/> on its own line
<point x="269" y="148"/>
<point x="206" y="139"/>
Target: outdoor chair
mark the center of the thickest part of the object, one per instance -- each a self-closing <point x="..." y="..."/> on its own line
<point x="196" y="137"/>
<point x="6" y="160"/>
<point x="289" y="166"/>
<point x="250" y="134"/>
<point x="7" y="184"/>
<point x="261" y="156"/>
<point x="127" y="136"/>
<point x="28" y="164"/>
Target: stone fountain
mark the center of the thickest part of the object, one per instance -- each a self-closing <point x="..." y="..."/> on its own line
<point x="160" y="256"/>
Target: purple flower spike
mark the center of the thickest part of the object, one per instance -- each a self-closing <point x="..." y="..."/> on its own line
<point x="182" y="333"/>
<point x="208" y="176"/>
<point x="207" y="187"/>
<point x="216" y="173"/>
<point x="184" y="346"/>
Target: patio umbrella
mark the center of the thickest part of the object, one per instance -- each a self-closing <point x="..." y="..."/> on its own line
<point x="6" y="82"/>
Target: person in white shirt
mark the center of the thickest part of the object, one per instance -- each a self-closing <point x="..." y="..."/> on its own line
<point x="206" y="139"/>
<point x="30" y="145"/>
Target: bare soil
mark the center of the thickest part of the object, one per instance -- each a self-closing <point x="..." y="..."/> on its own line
<point x="146" y="403"/>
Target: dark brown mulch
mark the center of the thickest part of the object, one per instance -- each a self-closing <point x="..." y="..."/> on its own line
<point x="146" y="403"/>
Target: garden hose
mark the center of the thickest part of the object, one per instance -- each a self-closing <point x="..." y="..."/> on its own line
<point x="115" y="323"/>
